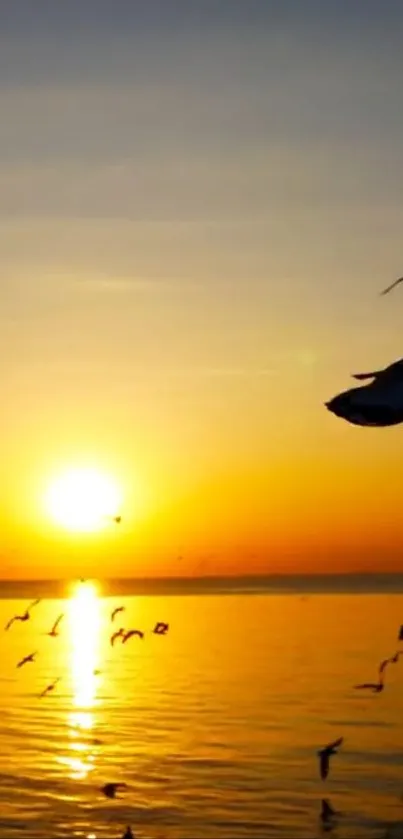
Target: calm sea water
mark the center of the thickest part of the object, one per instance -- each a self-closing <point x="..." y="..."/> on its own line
<point x="213" y="727"/>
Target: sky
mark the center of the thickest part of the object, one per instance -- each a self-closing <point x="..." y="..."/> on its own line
<point x="199" y="203"/>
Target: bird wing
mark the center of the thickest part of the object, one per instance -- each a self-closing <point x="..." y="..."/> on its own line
<point x="335" y="744"/>
<point x="10" y="622"/>
<point x="34" y="603"/>
<point x="56" y="623"/>
<point x="365" y="685"/>
<point x="324" y="764"/>
<point x="362" y="376"/>
<point x="383" y="665"/>
<point x="115" y="635"/>
<point x="389" y="287"/>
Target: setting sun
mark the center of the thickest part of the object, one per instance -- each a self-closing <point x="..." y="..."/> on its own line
<point x="83" y="500"/>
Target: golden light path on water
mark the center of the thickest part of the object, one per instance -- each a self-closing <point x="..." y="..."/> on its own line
<point x="85" y="624"/>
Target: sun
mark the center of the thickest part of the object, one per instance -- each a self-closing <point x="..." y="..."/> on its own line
<point x="83" y="500"/>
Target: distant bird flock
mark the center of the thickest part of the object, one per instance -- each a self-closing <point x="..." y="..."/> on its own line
<point x="110" y="790"/>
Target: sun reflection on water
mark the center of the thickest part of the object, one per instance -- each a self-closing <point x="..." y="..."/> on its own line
<point x="85" y="624"/>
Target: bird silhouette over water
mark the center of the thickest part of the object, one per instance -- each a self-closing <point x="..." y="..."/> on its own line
<point x="391" y="286"/>
<point x="161" y="628"/>
<point x="118" y="634"/>
<point x="130" y="633"/>
<point x="110" y="790"/>
<point x="28" y="658"/>
<point x="128" y="834"/>
<point x="53" y="632"/>
<point x="24" y="617"/>
<point x="325" y="755"/>
<point x="378" y="403"/>
<point x="116" y="612"/>
<point x="49" y="688"/>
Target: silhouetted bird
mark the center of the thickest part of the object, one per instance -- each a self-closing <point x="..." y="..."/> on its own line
<point x="118" y="634"/>
<point x="130" y="633"/>
<point x="376" y="687"/>
<point x="49" y="688"/>
<point x="53" y="632"/>
<point x="161" y="628"/>
<point x="27" y="659"/>
<point x="116" y="612"/>
<point x="110" y="790"/>
<point x="377" y="404"/>
<point x="325" y="755"/>
<point x="128" y="834"/>
<point x="24" y="617"/>
<point x="393" y="285"/>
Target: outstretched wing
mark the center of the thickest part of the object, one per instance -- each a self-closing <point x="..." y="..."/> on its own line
<point x="362" y="376"/>
<point x="393" y="285"/>
<point x="56" y="623"/>
<point x="370" y="685"/>
<point x="10" y="623"/>
<point x="335" y="744"/>
<point x="324" y="764"/>
<point x="34" y="603"/>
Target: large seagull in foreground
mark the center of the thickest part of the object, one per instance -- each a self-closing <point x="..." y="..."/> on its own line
<point x="378" y="403"/>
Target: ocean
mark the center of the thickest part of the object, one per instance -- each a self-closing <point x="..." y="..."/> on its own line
<point x="214" y="726"/>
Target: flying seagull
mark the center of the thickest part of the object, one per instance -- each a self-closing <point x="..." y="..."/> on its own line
<point x="118" y="634"/>
<point x="393" y="285"/>
<point x="24" y="617"/>
<point x="49" y="688"/>
<point x="130" y="633"/>
<point x="161" y="628"/>
<point x="28" y="658"/>
<point x="110" y="790"/>
<point x="53" y="632"/>
<point x="378" y="403"/>
<point x="116" y="612"/>
<point x="325" y="755"/>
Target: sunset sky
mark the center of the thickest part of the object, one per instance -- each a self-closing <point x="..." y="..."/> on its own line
<point x="200" y="202"/>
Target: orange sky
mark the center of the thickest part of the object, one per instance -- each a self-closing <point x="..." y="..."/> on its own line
<point x="196" y="219"/>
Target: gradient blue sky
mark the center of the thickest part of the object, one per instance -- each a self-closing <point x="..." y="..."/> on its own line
<point x="199" y="203"/>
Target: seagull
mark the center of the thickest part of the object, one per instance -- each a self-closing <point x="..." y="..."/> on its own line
<point x="49" y="688"/>
<point x="110" y="790"/>
<point x="325" y="754"/>
<point x="116" y="612"/>
<point x="389" y="288"/>
<point x="27" y="659"/>
<point x="129" y="634"/>
<point x="53" y="632"/>
<point x="376" y="687"/>
<point x="24" y="617"/>
<point x="118" y="634"/>
<point x="378" y="403"/>
<point x="161" y="628"/>
<point x="327" y="812"/>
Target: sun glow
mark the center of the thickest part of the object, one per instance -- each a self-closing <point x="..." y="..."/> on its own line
<point x="83" y="500"/>
<point x="85" y="624"/>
